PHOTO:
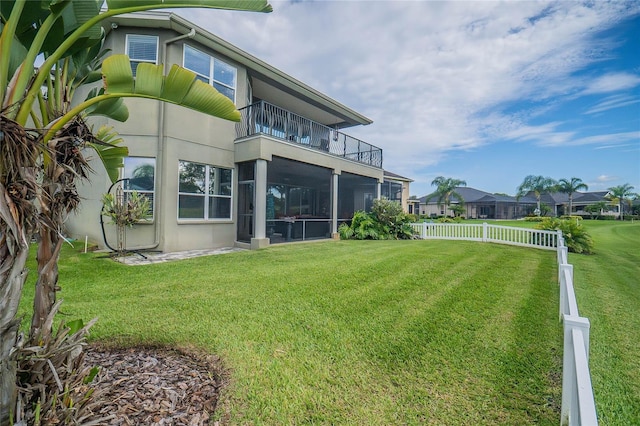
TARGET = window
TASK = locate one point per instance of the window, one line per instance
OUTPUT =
(142, 48)
(212, 71)
(392, 191)
(204, 191)
(140, 172)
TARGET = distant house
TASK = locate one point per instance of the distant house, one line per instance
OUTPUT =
(479, 205)
(285, 172)
(559, 203)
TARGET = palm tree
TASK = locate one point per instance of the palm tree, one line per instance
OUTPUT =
(446, 188)
(570, 187)
(536, 184)
(38, 168)
(620, 193)
(597, 208)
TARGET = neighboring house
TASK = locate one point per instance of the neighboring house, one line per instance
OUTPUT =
(285, 172)
(479, 205)
(559, 202)
(556, 202)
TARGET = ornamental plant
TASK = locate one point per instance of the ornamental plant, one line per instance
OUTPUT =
(575, 236)
(128, 212)
(386, 221)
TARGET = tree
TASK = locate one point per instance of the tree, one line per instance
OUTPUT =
(621, 193)
(536, 184)
(446, 188)
(596, 208)
(39, 168)
(458, 210)
(570, 187)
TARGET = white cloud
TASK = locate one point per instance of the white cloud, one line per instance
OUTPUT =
(612, 82)
(438, 76)
(606, 178)
(612, 102)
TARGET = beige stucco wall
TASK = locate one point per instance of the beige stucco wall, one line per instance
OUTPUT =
(190, 136)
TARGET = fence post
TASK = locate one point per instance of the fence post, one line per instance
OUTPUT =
(485, 227)
(564, 309)
(424, 230)
(569, 375)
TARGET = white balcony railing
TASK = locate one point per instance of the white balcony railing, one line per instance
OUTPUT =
(268, 119)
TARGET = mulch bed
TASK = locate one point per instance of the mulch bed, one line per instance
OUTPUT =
(154, 386)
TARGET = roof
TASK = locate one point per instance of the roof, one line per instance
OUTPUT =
(472, 195)
(585, 197)
(558, 198)
(260, 70)
(390, 175)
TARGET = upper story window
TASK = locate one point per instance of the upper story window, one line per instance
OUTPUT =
(212, 70)
(204, 191)
(142, 48)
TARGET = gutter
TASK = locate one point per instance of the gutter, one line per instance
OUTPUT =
(160, 180)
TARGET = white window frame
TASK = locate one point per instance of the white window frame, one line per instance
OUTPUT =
(210, 78)
(207, 195)
(138, 60)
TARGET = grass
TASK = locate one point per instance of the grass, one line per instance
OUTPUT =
(349, 332)
(409, 332)
(607, 287)
(608, 292)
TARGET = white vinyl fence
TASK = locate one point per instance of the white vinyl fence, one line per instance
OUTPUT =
(578, 404)
(484, 232)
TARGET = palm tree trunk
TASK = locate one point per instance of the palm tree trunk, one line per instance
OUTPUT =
(570, 204)
(46, 285)
(14, 251)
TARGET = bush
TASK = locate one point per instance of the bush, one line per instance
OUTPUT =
(412, 218)
(575, 237)
(362, 227)
(445, 219)
(535, 218)
(567, 217)
(386, 221)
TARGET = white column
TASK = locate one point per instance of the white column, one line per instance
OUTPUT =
(260, 206)
(334, 205)
(379, 190)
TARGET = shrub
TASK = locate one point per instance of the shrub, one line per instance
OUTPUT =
(535, 219)
(575, 237)
(386, 221)
(362, 227)
(568, 217)
(445, 219)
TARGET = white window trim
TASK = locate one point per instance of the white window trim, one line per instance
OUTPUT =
(206, 195)
(142, 60)
(210, 77)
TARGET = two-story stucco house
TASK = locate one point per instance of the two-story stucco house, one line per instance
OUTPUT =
(286, 172)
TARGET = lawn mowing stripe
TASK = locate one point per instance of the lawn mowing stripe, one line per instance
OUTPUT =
(306, 350)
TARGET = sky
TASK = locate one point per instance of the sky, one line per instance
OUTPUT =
(483, 91)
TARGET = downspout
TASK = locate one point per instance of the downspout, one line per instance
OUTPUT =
(161, 146)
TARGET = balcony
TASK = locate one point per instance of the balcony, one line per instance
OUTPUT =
(263, 118)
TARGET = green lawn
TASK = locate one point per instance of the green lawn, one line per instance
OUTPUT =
(389, 332)
(608, 292)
